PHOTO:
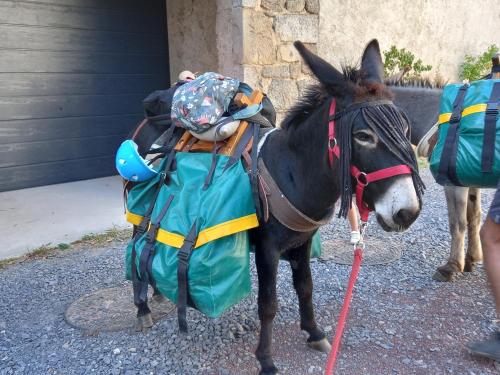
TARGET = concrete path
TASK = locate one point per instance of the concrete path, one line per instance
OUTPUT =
(62, 213)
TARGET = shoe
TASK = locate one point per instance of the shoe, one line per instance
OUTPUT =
(489, 348)
(355, 237)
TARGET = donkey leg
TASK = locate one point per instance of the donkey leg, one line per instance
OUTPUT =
(144, 319)
(474, 249)
(267, 260)
(302, 282)
(456, 199)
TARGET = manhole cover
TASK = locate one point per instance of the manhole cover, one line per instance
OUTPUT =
(376, 252)
(111, 309)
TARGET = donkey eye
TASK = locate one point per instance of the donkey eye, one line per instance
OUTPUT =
(364, 137)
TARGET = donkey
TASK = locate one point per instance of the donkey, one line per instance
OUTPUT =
(463, 203)
(312, 169)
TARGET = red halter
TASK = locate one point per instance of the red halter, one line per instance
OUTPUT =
(362, 178)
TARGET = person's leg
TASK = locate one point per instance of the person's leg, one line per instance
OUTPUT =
(490, 241)
(352, 216)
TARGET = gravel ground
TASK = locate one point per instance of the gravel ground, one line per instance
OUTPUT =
(401, 321)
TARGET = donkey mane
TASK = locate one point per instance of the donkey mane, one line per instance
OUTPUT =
(313, 97)
(417, 82)
(352, 72)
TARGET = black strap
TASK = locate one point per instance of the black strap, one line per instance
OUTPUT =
(138, 233)
(490, 125)
(147, 253)
(245, 138)
(182, 277)
(166, 143)
(211, 171)
(169, 166)
(254, 172)
(261, 120)
(447, 165)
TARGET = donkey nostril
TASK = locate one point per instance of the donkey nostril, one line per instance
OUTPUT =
(404, 216)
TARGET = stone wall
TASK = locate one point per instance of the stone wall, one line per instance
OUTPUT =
(205, 35)
(269, 60)
(252, 39)
(192, 36)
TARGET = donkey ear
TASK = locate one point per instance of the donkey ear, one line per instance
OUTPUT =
(371, 63)
(330, 77)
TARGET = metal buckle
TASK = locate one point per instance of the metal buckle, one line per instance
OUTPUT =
(153, 230)
(362, 229)
(365, 182)
(332, 143)
(455, 118)
(183, 257)
(142, 227)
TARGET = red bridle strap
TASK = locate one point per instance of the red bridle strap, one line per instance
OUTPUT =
(333, 147)
(362, 179)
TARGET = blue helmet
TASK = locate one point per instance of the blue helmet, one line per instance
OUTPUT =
(131, 165)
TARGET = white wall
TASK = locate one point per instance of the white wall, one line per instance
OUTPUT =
(440, 32)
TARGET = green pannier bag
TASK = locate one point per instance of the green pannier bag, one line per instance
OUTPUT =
(467, 152)
(222, 212)
(218, 274)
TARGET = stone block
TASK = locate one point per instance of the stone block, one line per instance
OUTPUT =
(295, 5)
(283, 93)
(274, 5)
(288, 53)
(312, 6)
(252, 75)
(303, 27)
(276, 71)
(259, 46)
(295, 70)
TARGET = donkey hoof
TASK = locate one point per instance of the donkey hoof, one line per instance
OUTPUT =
(272, 370)
(322, 345)
(144, 322)
(470, 266)
(442, 276)
(446, 272)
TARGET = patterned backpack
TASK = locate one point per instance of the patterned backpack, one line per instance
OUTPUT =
(199, 104)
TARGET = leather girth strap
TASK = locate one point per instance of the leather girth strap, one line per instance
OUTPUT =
(284, 211)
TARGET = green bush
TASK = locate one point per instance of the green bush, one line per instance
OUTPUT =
(475, 67)
(402, 61)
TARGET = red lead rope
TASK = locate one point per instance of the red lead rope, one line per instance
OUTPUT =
(332, 357)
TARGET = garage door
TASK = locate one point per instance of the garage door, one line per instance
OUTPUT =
(72, 77)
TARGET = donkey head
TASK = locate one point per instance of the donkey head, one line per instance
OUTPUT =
(372, 135)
